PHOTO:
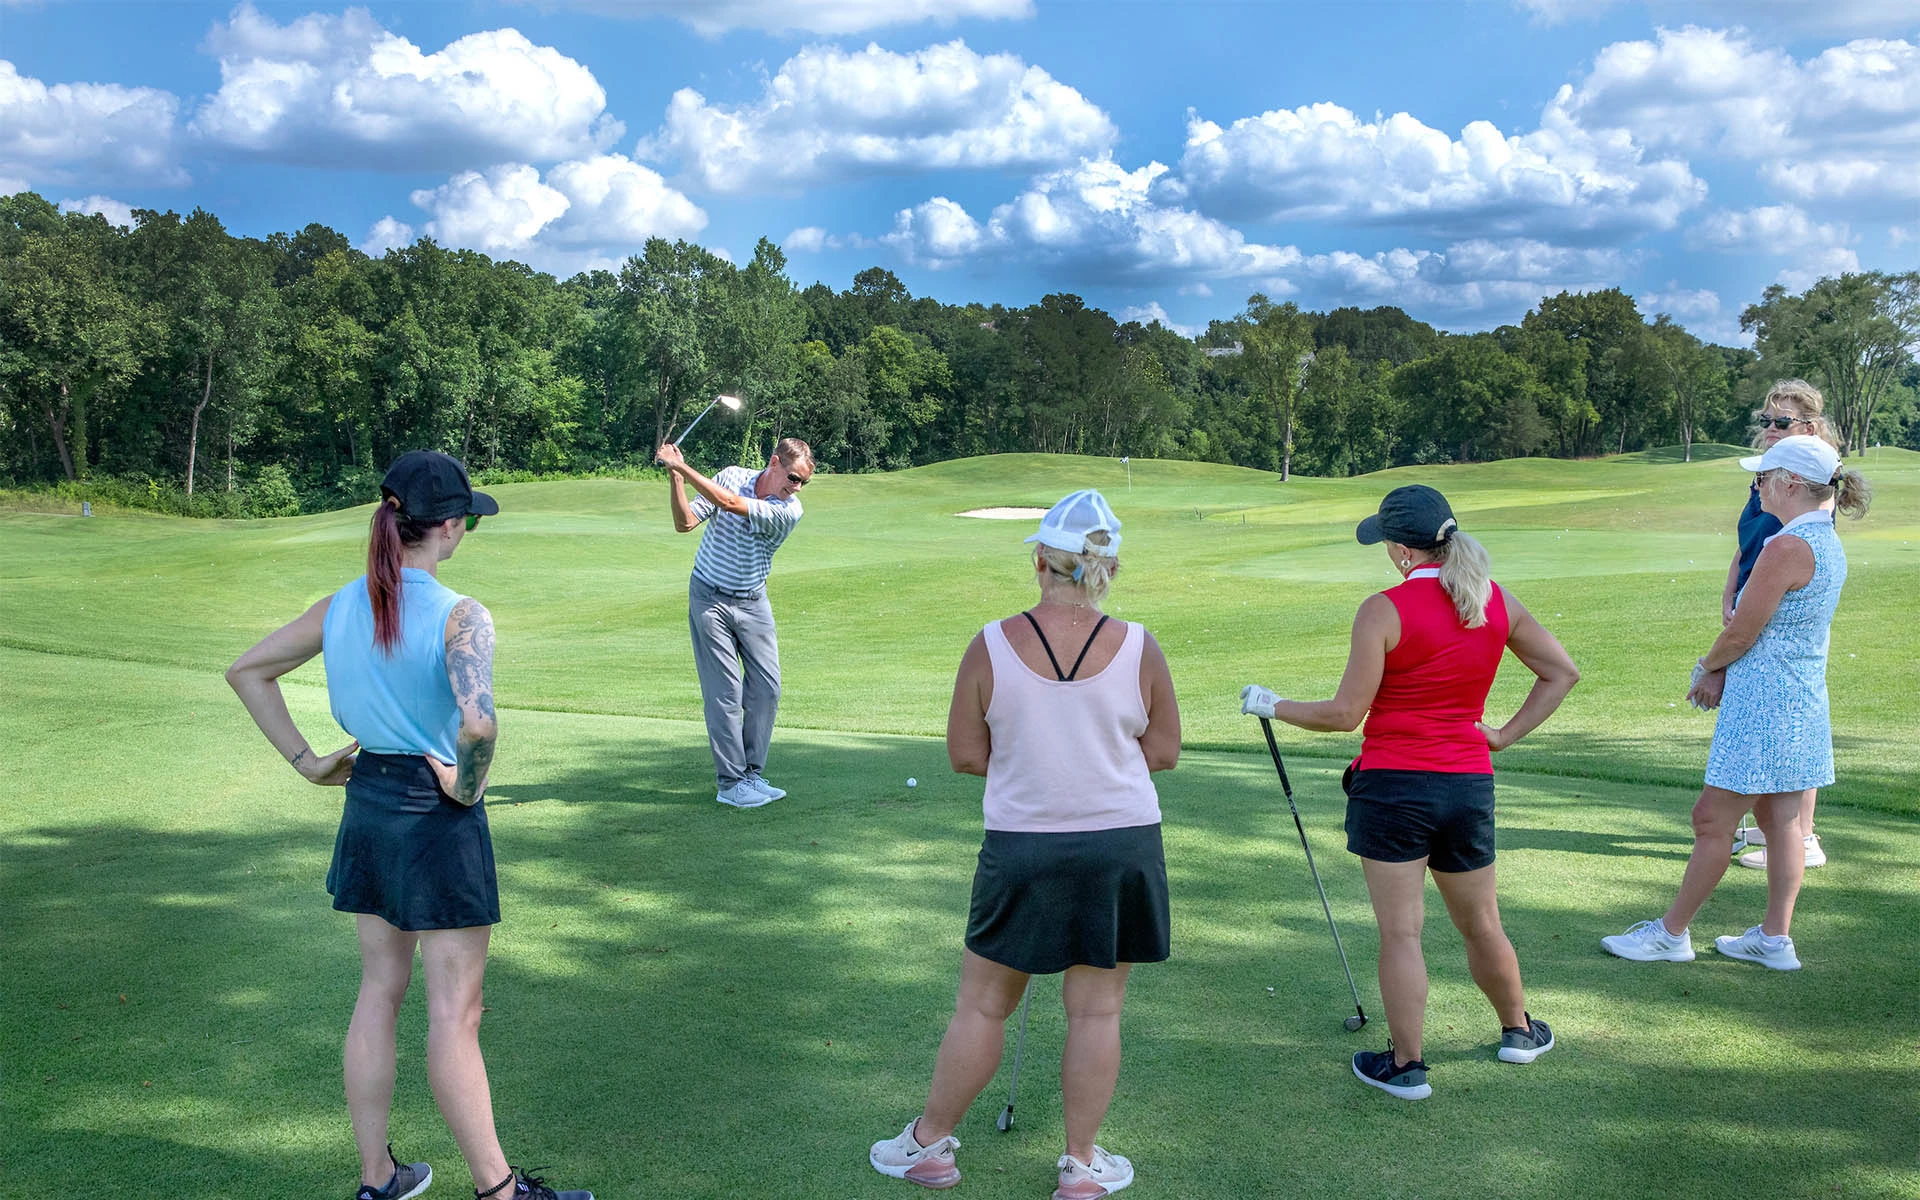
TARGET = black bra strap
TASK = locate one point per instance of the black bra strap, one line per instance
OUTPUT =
(1087, 647)
(1045, 645)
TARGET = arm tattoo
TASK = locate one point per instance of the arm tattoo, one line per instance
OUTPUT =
(297, 759)
(470, 659)
(470, 671)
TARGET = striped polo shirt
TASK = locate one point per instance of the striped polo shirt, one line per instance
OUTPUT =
(736, 553)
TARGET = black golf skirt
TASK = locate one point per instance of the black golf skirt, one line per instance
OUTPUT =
(409, 855)
(1043, 902)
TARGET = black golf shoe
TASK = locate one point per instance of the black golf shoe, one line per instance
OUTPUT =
(409, 1180)
(1405, 1080)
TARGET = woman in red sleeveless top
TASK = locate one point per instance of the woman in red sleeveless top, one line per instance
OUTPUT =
(1420, 796)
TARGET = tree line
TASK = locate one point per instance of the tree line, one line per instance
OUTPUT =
(192, 369)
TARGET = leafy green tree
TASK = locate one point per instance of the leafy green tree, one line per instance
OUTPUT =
(71, 331)
(1852, 335)
(1695, 376)
(1278, 345)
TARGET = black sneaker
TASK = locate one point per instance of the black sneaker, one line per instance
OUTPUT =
(1407, 1080)
(409, 1180)
(1525, 1045)
(532, 1187)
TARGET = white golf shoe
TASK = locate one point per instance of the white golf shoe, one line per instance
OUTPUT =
(759, 784)
(903, 1157)
(1105, 1175)
(743, 795)
(1649, 941)
(1755, 946)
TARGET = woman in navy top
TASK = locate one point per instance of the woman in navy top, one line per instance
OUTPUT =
(1792, 407)
(410, 676)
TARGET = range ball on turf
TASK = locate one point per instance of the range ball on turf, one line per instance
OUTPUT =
(913, 783)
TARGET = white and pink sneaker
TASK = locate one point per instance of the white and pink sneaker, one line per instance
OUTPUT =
(1105, 1175)
(905, 1158)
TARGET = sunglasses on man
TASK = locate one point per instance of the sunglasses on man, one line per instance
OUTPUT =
(795, 480)
(473, 519)
(1783, 422)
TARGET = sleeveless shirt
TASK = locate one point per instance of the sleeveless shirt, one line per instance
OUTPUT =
(1066, 754)
(1435, 684)
(400, 703)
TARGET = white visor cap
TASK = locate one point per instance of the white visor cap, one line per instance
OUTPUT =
(1067, 524)
(1812, 459)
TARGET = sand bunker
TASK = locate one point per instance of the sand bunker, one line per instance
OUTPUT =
(1005, 514)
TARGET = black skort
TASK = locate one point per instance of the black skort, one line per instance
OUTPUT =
(1043, 902)
(409, 855)
(1442, 816)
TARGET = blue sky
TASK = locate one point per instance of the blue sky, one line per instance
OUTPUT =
(1161, 159)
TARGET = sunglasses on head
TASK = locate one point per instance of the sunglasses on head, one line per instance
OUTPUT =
(1782, 422)
(473, 519)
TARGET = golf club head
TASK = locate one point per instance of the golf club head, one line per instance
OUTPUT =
(1005, 1121)
(1356, 1023)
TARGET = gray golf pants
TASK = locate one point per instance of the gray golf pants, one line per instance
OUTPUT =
(732, 632)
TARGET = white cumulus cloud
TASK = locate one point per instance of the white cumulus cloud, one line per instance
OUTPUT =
(388, 233)
(1769, 229)
(82, 133)
(1841, 128)
(1688, 304)
(1324, 162)
(713, 17)
(1834, 17)
(343, 91)
(1100, 221)
(115, 211)
(585, 213)
(829, 113)
(1151, 312)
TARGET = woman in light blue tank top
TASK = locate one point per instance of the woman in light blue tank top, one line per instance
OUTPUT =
(409, 666)
(1767, 674)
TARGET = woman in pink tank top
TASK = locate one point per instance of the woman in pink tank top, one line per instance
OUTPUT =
(1420, 796)
(1066, 713)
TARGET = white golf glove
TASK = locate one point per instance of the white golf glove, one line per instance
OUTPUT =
(1699, 672)
(1256, 701)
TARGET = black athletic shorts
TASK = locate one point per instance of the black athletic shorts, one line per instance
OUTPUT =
(1442, 816)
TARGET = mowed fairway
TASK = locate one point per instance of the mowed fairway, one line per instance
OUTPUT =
(689, 1001)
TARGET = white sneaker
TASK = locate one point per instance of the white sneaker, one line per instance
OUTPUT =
(1105, 1175)
(905, 1158)
(1755, 946)
(760, 785)
(743, 795)
(1649, 941)
(1816, 857)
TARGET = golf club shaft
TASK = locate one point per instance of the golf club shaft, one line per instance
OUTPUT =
(696, 421)
(1266, 726)
(1019, 1045)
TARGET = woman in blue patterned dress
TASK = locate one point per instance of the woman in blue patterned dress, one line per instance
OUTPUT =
(1767, 673)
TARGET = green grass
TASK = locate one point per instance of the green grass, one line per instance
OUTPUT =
(682, 994)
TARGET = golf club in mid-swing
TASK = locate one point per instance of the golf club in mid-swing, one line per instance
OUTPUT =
(733, 405)
(1359, 1017)
(1006, 1114)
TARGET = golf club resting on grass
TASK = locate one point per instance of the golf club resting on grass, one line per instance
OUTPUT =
(1066, 713)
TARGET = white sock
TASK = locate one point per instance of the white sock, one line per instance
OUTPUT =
(1670, 933)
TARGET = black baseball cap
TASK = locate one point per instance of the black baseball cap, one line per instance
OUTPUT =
(432, 486)
(1415, 516)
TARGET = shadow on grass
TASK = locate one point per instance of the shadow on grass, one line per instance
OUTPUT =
(675, 978)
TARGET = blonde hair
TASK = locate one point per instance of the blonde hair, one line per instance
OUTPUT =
(1466, 574)
(1803, 398)
(1854, 492)
(1089, 572)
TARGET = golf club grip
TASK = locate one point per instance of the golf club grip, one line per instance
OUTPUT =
(1266, 726)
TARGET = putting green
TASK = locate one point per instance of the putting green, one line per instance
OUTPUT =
(682, 994)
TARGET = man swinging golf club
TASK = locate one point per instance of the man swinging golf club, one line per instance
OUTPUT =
(748, 515)
(1420, 796)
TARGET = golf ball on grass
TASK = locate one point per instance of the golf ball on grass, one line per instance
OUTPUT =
(913, 782)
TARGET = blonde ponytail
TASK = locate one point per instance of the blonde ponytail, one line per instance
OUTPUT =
(1089, 572)
(1466, 573)
(1854, 491)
